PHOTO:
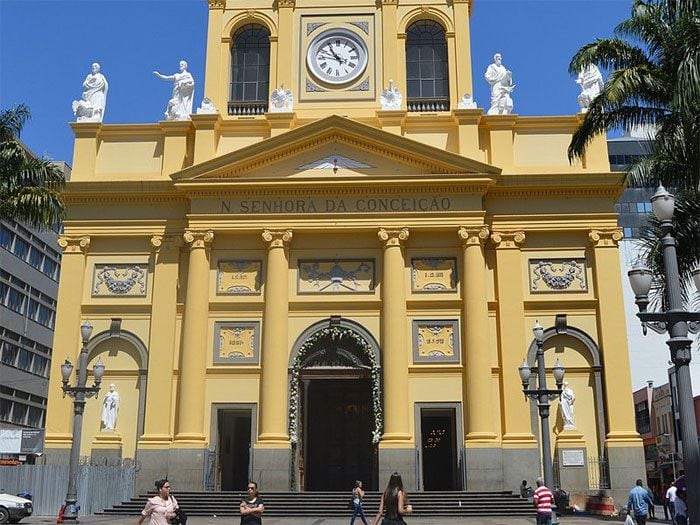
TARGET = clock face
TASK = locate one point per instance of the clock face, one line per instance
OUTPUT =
(337, 56)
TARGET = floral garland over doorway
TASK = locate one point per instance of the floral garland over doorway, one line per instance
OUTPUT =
(335, 333)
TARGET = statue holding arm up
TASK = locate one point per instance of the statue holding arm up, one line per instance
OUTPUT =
(180, 103)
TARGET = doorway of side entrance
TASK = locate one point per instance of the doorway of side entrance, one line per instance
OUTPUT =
(439, 449)
(235, 431)
(338, 446)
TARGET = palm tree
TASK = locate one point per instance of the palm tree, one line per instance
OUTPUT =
(654, 61)
(29, 187)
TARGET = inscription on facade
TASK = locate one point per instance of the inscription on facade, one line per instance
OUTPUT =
(236, 343)
(435, 341)
(239, 277)
(337, 204)
(434, 275)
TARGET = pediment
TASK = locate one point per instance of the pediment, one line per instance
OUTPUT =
(334, 147)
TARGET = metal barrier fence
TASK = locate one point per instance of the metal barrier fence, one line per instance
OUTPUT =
(598, 473)
(102, 483)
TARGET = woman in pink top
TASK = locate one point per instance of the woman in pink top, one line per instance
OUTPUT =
(161, 508)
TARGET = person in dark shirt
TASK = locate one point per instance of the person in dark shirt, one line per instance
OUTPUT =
(252, 506)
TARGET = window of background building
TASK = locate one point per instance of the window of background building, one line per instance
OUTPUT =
(641, 415)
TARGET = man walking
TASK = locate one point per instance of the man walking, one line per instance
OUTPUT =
(639, 502)
(543, 499)
(671, 500)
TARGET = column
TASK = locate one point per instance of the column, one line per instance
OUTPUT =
(394, 344)
(161, 345)
(520, 453)
(623, 445)
(462, 43)
(192, 369)
(390, 56)
(273, 391)
(478, 392)
(273, 449)
(285, 14)
(66, 342)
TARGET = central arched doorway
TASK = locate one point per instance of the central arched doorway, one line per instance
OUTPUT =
(335, 406)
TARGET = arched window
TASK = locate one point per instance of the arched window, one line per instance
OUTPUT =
(250, 71)
(427, 75)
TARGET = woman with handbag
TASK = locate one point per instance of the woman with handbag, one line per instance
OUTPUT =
(159, 509)
(357, 494)
(394, 503)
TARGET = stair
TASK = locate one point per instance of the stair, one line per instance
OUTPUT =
(334, 504)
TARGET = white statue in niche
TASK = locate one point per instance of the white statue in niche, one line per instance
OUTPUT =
(466, 102)
(501, 81)
(391, 97)
(566, 405)
(91, 106)
(206, 107)
(281, 100)
(591, 81)
(180, 103)
(110, 409)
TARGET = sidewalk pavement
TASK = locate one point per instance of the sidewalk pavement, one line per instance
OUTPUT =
(234, 520)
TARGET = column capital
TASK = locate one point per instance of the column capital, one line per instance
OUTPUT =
(286, 3)
(508, 240)
(217, 4)
(74, 244)
(165, 242)
(390, 2)
(473, 235)
(603, 238)
(277, 239)
(392, 237)
(198, 239)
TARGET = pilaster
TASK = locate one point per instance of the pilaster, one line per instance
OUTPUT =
(190, 409)
(478, 393)
(391, 120)
(501, 132)
(468, 131)
(85, 149)
(612, 337)
(462, 43)
(206, 136)
(512, 340)
(285, 18)
(161, 354)
(280, 122)
(175, 145)
(394, 345)
(452, 54)
(67, 341)
(390, 51)
(214, 88)
(273, 380)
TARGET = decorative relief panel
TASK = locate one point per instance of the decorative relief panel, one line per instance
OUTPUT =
(236, 343)
(124, 280)
(434, 275)
(435, 341)
(336, 276)
(558, 275)
(239, 277)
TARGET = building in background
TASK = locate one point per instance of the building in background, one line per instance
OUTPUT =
(29, 272)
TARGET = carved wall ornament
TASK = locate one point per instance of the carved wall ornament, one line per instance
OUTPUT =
(236, 343)
(336, 276)
(313, 26)
(471, 236)
(286, 3)
(277, 239)
(393, 237)
(217, 4)
(239, 277)
(601, 238)
(508, 240)
(364, 26)
(198, 239)
(391, 97)
(558, 275)
(126, 280)
(362, 86)
(436, 341)
(313, 88)
(165, 242)
(74, 244)
(281, 100)
(434, 274)
(334, 162)
(466, 102)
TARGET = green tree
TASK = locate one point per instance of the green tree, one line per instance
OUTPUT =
(654, 59)
(29, 187)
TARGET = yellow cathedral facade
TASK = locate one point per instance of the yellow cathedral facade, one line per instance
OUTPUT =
(304, 289)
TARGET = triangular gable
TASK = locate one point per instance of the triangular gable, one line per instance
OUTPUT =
(347, 134)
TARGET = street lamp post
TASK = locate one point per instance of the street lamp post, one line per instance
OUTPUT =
(79, 393)
(543, 395)
(677, 322)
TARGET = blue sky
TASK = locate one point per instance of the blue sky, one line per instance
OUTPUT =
(46, 48)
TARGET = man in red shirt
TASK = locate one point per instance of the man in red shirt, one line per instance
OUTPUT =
(543, 499)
